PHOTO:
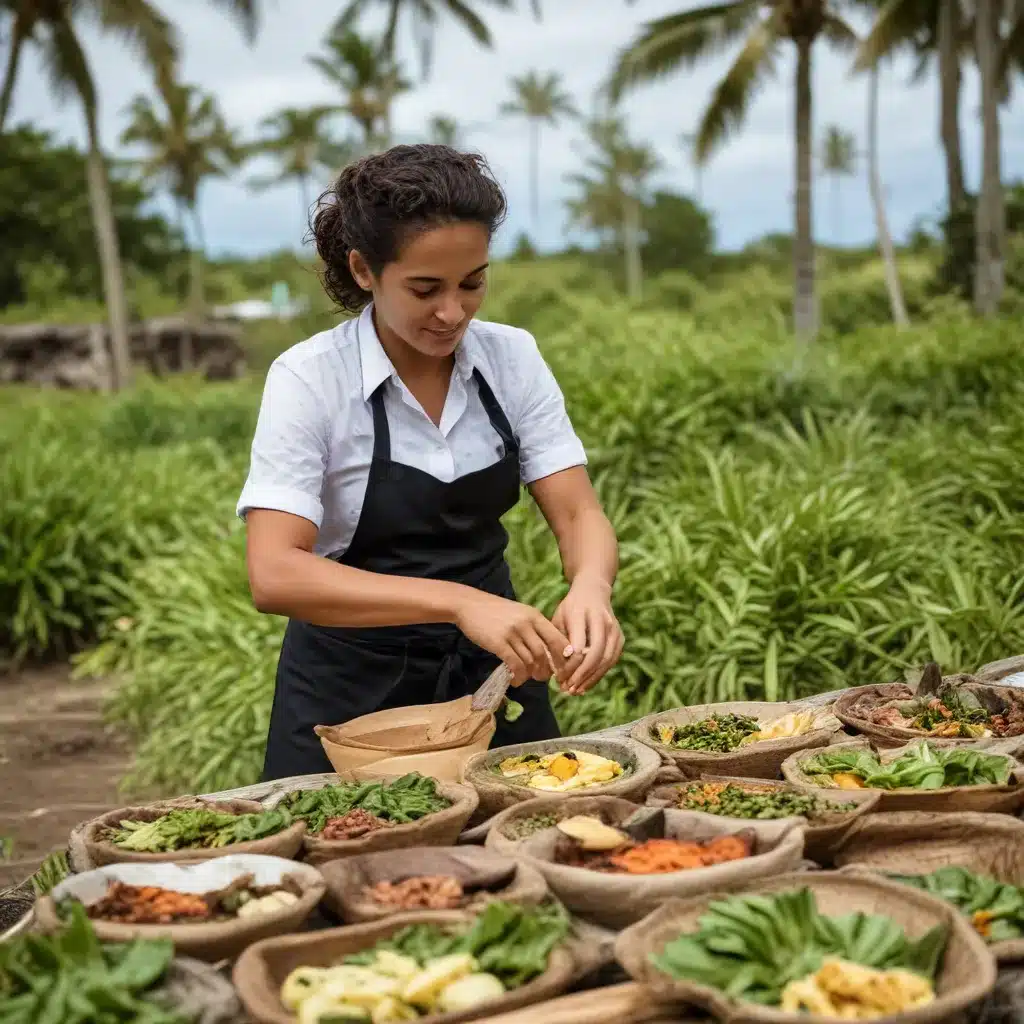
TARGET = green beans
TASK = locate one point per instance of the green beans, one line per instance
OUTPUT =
(407, 799)
(524, 827)
(733, 800)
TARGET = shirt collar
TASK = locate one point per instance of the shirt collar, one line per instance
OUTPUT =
(377, 367)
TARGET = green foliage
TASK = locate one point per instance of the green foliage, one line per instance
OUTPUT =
(49, 248)
(679, 234)
(786, 527)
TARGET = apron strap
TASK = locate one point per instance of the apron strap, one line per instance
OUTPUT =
(495, 413)
(381, 431)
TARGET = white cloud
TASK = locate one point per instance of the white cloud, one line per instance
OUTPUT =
(747, 184)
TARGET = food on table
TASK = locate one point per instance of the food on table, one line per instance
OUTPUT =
(922, 766)
(426, 969)
(852, 992)
(353, 824)
(189, 828)
(523, 828)
(717, 733)
(153, 904)
(780, 950)
(404, 800)
(591, 833)
(421, 892)
(738, 800)
(723, 733)
(71, 976)
(560, 771)
(996, 909)
(586, 842)
(952, 711)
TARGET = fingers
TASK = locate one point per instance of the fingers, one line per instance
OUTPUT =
(607, 654)
(575, 626)
(556, 643)
(596, 633)
(540, 663)
(517, 661)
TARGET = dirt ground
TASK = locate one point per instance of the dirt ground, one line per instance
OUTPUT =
(59, 763)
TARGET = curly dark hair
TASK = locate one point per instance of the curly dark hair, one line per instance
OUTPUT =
(379, 202)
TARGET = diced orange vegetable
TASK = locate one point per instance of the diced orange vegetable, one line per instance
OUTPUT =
(844, 780)
(563, 767)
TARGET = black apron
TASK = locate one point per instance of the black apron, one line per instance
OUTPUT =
(411, 524)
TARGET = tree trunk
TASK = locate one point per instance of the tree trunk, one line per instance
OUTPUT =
(990, 214)
(837, 209)
(949, 102)
(535, 170)
(885, 247)
(631, 244)
(109, 255)
(805, 308)
(196, 298)
(11, 70)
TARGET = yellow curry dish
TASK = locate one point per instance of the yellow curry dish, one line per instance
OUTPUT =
(560, 771)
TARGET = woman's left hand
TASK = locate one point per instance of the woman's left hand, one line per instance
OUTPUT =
(585, 616)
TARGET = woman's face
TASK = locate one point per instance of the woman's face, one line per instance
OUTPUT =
(427, 296)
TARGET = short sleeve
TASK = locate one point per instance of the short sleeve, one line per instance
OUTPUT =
(289, 449)
(547, 441)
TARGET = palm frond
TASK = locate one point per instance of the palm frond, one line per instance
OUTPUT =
(754, 65)
(839, 33)
(245, 12)
(66, 66)
(900, 24)
(143, 29)
(680, 41)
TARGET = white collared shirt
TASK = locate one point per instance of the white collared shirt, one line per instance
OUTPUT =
(314, 437)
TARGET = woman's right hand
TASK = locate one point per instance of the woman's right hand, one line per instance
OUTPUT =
(529, 645)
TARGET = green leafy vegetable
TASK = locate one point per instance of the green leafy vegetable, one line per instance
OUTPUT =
(196, 827)
(996, 909)
(70, 978)
(509, 941)
(718, 733)
(751, 947)
(408, 798)
(923, 766)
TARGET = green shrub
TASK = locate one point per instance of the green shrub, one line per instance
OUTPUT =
(784, 529)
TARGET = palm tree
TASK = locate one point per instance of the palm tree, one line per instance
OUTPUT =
(53, 29)
(838, 160)
(52, 26)
(688, 37)
(444, 131)
(688, 141)
(298, 141)
(368, 80)
(885, 246)
(613, 187)
(926, 28)
(990, 214)
(186, 141)
(540, 99)
(424, 16)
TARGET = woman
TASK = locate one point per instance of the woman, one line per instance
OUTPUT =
(387, 451)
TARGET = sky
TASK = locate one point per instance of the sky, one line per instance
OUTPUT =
(747, 185)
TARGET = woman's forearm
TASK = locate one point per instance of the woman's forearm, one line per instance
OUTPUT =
(308, 587)
(589, 548)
